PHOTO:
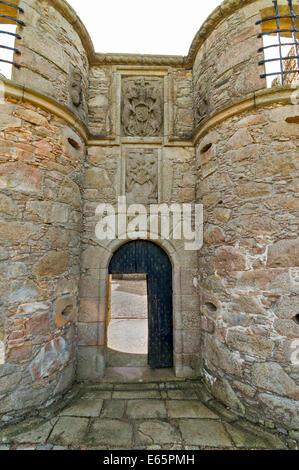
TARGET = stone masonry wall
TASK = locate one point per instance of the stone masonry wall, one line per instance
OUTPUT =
(102, 97)
(40, 223)
(249, 264)
(53, 59)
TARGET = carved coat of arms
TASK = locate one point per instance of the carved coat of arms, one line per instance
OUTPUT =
(142, 107)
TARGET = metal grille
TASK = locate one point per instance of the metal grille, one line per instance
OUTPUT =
(280, 31)
(17, 36)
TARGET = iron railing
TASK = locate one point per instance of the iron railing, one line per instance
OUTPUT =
(279, 31)
(17, 36)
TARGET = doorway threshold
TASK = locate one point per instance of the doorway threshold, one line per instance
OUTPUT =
(140, 374)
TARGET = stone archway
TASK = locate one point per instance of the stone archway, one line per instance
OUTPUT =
(144, 257)
(94, 308)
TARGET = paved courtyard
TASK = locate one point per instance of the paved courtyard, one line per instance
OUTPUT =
(177, 415)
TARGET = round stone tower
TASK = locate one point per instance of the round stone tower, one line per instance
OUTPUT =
(246, 140)
(42, 151)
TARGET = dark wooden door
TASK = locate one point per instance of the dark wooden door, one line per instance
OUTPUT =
(142, 257)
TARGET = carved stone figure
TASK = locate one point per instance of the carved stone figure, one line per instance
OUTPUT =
(142, 107)
(201, 104)
(142, 176)
(76, 86)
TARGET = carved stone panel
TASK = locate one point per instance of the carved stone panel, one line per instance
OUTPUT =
(142, 107)
(75, 86)
(142, 176)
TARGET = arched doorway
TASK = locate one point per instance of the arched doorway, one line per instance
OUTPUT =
(144, 257)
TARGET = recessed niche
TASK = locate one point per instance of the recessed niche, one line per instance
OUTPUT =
(206, 148)
(67, 312)
(211, 307)
(292, 120)
(73, 143)
(296, 319)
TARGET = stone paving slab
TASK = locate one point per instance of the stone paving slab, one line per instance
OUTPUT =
(188, 409)
(84, 407)
(137, 409)
(110, 432)
(157, 432)
(38, 435)
(139, 417)
(204, 433)
(188, 394)
(136, 387)
(258, 439)
(69, 431)
(113, 409)
(136, 394)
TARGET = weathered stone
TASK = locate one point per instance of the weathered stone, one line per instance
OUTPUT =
(18, 231)
(33, 117)
(51, 357)
(271, 377)
(49, 212)
(284, 253)
(70, 193)
(229, 259)
(8, 206)
(213, 235)
(219, 354)
(254, 345)
(97, 178)
(157, 432)
(64, 311)
(108, 432)
(39, 324)
(241, 138)
(287, 306)
(283, 410)
(69, 431)
(38, 435)
(188, 409)
(113, 409)
(222, 214)
(20, 177)
(138, 409)
(134, 394)
(52, 264)
(204, 433)
(91, 363)
(86, 406)
(222, 390)
(247, 438)
(181, 394)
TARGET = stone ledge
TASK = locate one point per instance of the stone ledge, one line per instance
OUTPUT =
(263, 97)
(25, 94)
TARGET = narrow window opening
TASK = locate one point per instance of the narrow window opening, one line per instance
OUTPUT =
(296, 319)
(127, 330)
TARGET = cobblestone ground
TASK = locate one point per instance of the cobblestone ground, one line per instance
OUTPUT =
(176, 415)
